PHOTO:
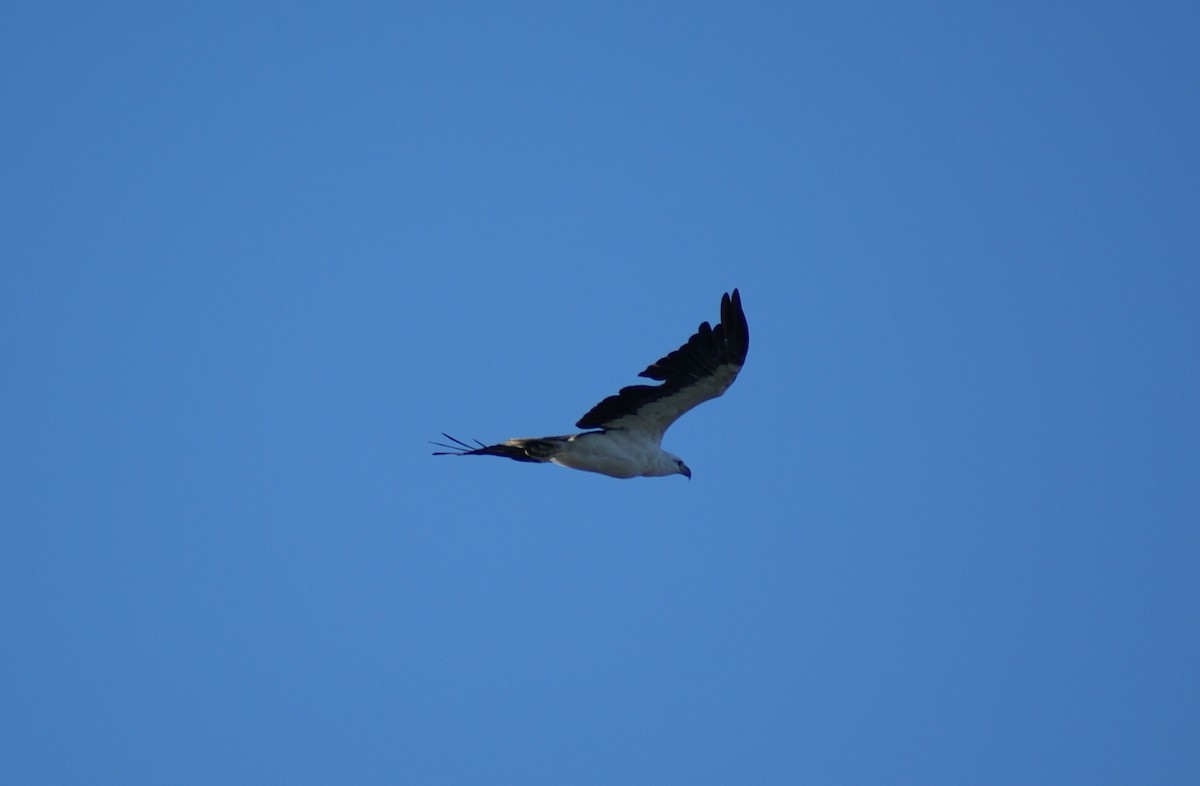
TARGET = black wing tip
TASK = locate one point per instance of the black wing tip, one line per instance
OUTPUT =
(518, 452)
(459, 448)
(733, 319)
(728, 342)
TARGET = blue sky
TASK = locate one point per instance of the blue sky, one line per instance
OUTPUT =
(942, 530)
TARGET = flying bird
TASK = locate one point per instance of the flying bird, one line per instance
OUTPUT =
(628, 427)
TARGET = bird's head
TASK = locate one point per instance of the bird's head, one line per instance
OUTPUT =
(665, 464)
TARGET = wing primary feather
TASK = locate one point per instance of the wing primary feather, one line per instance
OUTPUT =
(530, 450)
(459, 447)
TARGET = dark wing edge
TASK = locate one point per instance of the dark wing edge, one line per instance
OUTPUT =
(709, 352)
(535, 450)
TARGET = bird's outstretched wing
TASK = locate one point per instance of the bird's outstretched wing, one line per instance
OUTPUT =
(699, 370)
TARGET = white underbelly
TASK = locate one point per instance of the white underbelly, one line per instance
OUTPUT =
(606, 454)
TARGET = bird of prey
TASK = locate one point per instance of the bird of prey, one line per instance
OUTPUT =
(628, 427)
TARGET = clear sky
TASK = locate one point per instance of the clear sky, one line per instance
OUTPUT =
(943, 529)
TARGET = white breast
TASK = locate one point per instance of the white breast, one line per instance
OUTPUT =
(617, 453)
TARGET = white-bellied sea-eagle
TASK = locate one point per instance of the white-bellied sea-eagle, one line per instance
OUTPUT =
(629, 426)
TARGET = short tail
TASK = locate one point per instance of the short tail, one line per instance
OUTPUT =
(535, 450)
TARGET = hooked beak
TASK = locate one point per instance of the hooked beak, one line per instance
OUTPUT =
(687, 473)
